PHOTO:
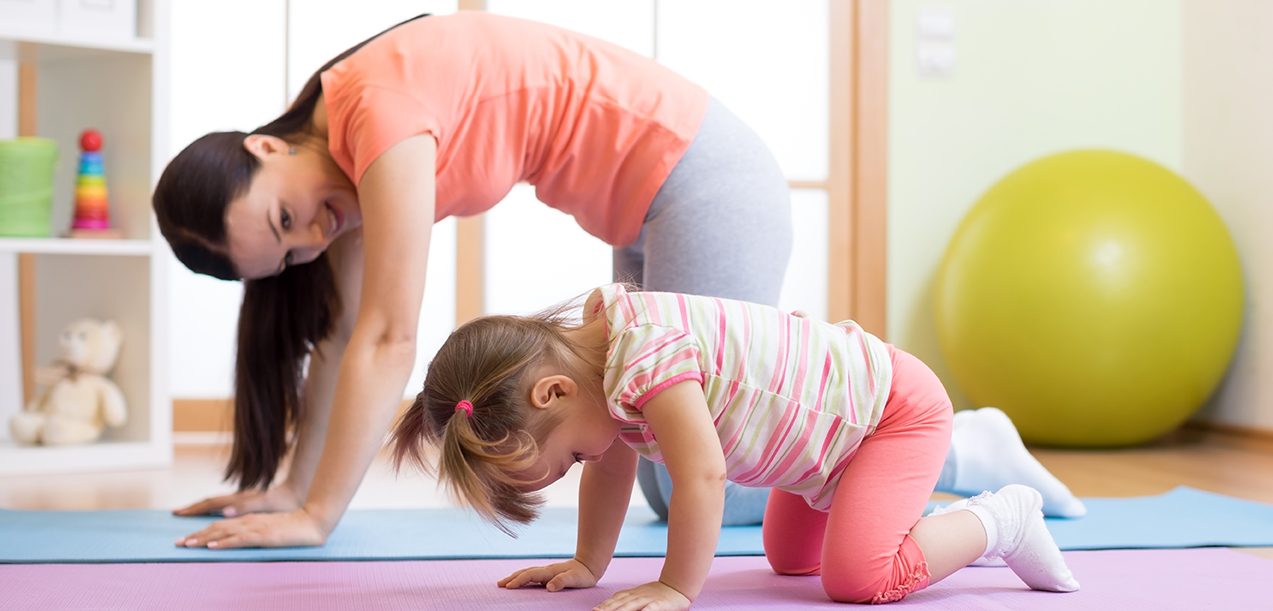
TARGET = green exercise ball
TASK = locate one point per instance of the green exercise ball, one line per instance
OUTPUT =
(1093, 296)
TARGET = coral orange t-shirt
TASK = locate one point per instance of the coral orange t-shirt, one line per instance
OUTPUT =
(594, 127)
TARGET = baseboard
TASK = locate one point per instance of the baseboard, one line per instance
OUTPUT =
(1244, 436)
(202, 415)
(214, 415)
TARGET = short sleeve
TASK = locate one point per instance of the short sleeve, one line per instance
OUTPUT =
(643, 361)
(374, 120)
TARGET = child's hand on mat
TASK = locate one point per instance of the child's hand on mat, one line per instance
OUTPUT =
(653, 596)
(278, 498)
(292, 529)
(554, 577)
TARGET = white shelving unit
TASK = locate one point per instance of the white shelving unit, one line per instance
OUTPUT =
(119, 87)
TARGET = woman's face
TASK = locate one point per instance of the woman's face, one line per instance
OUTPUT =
(298, 203)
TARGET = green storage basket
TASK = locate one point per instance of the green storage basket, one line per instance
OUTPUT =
(26, 186)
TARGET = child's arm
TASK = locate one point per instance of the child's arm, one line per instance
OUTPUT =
(681, 421)
(604, 493)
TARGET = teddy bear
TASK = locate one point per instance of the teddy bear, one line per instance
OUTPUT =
(78, 400)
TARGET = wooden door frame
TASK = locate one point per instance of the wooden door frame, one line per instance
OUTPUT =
(857, 180)
(27, 81)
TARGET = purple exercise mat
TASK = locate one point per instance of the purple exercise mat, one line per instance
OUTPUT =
(1207, 578)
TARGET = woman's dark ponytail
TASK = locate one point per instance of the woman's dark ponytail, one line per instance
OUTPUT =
(277, 331)
(284, 317)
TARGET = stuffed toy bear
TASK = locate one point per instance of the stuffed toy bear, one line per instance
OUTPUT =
(78, 399)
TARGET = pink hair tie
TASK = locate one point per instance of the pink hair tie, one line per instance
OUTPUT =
(466, 406)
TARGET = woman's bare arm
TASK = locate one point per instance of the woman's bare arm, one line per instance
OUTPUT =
(397, 198)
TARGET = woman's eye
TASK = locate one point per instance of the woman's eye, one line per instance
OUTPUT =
(284, 219)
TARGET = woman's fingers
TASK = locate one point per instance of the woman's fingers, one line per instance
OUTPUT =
(207, 506)
(243, 503)
(293, 529)
(201, 538)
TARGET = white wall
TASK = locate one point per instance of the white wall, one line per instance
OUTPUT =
(1030, 78)
(766, 60)
(227, 74)
(318, 30)
(1228, 154)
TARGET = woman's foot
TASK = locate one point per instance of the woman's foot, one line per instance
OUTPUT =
(989, 454)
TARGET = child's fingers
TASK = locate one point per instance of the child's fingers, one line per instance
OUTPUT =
(538, 574)
(622, 601)
(572, 574)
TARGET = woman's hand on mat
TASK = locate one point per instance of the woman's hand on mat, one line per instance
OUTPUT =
(278, 498)
(292, 529)
(653, 596)
(554, 577)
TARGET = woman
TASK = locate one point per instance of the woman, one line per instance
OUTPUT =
(325, 214)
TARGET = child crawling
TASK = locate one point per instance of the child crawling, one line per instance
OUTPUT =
(849, 431)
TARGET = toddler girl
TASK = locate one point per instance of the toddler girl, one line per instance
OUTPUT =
(849, 431)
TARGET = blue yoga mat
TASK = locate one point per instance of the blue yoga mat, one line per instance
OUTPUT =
(1184, 517)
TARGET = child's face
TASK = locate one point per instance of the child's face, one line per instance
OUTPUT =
(584, 434)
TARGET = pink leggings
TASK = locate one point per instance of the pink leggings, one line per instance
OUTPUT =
(862, 547)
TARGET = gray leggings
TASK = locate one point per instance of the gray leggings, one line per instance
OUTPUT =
(720, 226)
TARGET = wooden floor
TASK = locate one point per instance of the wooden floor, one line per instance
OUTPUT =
(1218, 462)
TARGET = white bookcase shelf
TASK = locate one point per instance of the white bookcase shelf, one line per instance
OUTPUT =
(119, 87)
(77, 46)
(68, 246)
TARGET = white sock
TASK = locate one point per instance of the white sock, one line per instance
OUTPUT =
(989, 454)
(963, 504)
(1015, 532)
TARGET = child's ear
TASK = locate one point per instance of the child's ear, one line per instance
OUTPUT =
(548, 391)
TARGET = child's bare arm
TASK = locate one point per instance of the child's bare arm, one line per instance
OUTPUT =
(680, 420)
(604, 493)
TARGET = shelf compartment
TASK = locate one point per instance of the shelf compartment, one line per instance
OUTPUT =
(16, 459)
(74, 246)
(60, 45)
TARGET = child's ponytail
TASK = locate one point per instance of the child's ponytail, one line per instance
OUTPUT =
(483, 472)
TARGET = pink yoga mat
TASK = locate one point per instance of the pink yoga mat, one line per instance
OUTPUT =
(1207, 578)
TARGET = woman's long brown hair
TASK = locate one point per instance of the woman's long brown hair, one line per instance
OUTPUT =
(283, 317)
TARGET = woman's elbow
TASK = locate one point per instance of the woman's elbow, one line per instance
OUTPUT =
(387, 347)
(399, 345)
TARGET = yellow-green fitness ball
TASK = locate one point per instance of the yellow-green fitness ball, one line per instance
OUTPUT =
(1093, 296)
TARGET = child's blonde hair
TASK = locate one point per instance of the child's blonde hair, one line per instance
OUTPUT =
(489, 363)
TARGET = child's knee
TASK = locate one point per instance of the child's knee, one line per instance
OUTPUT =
(868, 586)
(790, 564)
(845, 589)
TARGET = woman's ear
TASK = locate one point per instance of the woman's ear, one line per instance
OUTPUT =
(262, 145)
(549, 391)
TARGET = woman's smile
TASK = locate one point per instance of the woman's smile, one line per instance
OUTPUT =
(335, 220)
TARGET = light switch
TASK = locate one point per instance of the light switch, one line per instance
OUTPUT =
(935, 41)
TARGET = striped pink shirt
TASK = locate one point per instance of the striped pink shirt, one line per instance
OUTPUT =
(792, 398)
